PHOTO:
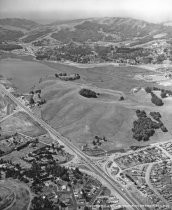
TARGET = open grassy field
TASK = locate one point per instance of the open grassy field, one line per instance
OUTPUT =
(107, 76)
(24, 74)
(21, 122)
(7, 106)
(80, 118)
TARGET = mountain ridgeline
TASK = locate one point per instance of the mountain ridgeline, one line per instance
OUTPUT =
(84, 30)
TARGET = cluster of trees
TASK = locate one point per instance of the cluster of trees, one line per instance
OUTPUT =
(72, 52)
(155, 99)
(64, 76)
(104, 53)
(10, 47)
(38, 175)
(88, 93)
(84, 53)
(98, 140)
(157, 116)
(145, 127)
(120, 54)
(41, 56)
(35, 173)
(40, 101)
(164, 92)
(61, 75)
(41, 203)
(137, 54)
(23, 146)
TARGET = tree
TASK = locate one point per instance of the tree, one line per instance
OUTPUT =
(148, 90)
(163, 94)
(88, 93)
(164, 129)
(31, 101)
(155, 100)
(94, 143)
(121, 98)
(38, 91)
(160, 58)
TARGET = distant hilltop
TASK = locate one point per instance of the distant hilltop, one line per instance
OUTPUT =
(115, 29)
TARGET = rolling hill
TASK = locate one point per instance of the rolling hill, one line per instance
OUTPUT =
(19, 23)
(11, 29)
(87, 30)
(9, 35)
(81, 119)
(109, 30)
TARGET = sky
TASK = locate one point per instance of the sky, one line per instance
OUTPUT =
(48, 10)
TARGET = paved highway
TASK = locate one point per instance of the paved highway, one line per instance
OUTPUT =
(128, 200)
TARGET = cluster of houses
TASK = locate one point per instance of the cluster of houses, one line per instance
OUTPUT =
(161, 179)
(167, 146)
(146, 155)
(136, 177)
